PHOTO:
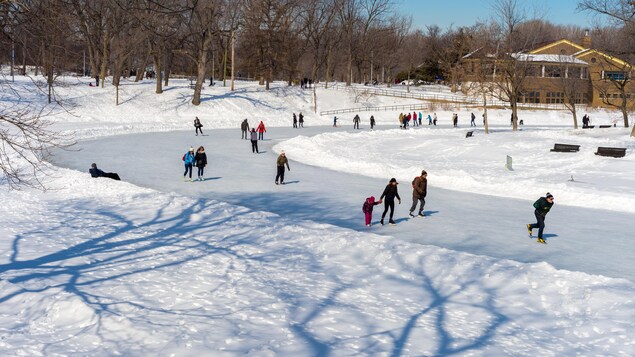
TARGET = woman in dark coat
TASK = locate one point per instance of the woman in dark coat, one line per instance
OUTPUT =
(200, 159)
(390, 192)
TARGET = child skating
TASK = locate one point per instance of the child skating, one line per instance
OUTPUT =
(367, 208)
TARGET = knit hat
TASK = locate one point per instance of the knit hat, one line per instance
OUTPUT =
(394, 180)
(191, 148)
(549, 195)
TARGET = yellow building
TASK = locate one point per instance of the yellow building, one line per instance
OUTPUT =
(557, 71)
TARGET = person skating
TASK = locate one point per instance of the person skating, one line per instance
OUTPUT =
(390, 192)
(401, 118)
(542, 207)
(95, 172)
(261, 130)
(367, 208)
(419, 192)
(429, 119)
(188, 161)
(420, 118)
(414, 119)
(244, 127)
(198, 126)
(434, 119)
(295, 121)
(200, 158)
(282, 160)
(372, 122)
(472, 117)
(254, 141)
(455, 120)
(356, 121)
(335, 122)
(301, 120)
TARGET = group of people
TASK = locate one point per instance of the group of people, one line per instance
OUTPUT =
(404, 119)
(586, 121)
(298, 121)
(196, 159)
(419, 192)
(254, 135)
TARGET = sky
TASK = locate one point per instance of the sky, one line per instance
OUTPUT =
(445, 13)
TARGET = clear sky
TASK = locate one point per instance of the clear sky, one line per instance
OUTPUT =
(467, 12)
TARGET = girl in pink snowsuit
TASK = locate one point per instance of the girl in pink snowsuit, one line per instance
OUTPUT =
(367, 208)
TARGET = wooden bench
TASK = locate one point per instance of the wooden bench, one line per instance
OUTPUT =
(565, 148)
(588, 127)
(605, 126)
(469, 134)
(613, 152)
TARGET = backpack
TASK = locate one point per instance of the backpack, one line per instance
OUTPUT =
(184, 157)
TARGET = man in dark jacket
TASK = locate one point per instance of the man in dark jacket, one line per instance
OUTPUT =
(356, 121)
(244, 127)
(282, 160)
(301, 120)
(419, 191)
(95, 172)
(295, 121)
(372, 122)
(390, 192)
(542, 207)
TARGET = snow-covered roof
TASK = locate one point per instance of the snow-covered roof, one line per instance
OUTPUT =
(548, 58)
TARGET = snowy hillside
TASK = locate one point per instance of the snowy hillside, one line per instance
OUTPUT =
(158, 266)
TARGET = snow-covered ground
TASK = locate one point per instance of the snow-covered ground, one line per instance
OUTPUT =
(104, 268)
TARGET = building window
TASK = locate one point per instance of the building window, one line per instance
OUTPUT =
(593, 60)
(584, 74)
(553, 71)
(615, 75)
(555, 97)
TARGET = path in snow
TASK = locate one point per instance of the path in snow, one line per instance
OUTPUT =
(588, 240)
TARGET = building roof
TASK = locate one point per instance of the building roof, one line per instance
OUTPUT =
(528, 57)
(563, 41)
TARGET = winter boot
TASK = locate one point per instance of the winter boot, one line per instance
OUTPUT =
(540, 240)
(529, 229)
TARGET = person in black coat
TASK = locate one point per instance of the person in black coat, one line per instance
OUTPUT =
(390, 192)
(300, 120)
(200, 160)
(372, 122)
(254, 141)
(95, 172)
(542, 207)
(198, 126)
(295, 121)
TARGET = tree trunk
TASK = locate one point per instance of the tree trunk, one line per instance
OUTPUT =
(200, 76)
(328, 68)
(168, 68)
(575, 116)
(485, 122)
(141, 70)
(625, 115)
(117, 94)
(514, 115)
(157, 70)
(104, 60)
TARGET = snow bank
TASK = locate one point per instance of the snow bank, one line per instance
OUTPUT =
(477, 164)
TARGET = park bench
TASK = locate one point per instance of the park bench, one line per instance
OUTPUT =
(588, 127)
(565, 148)
(613, 152)
(605, 126)
(469, 134)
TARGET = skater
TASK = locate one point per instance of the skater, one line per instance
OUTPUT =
(472, 117)
(419, 192)
(198, 126)
(420, 118)
(295, 121)
(261, 130)
(188, 161)
(390, 192)
(95, 172)
(429, 119)
(401, 118)
(414, 119)
(455, 120)
(434, 119)
(356, 121)
(542, 207)
(367, 208)
(201, 161)
(254, 141)
(372, 122)
(244, 127)
(335, 122)
(301, 120)
(282, 160)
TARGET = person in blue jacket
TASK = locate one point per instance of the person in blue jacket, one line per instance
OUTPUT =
(188, 161)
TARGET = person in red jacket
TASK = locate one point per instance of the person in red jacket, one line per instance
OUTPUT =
(261, 130)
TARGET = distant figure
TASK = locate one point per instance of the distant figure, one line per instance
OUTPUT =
(95, 172)
(261, 130)
(244, 128)
(511, 119)
(301, 120)
(282, 160)
(455, 120)
(542, 207)
(420, 118)
(429, 119)
(434, 119)
(586, 121)
(188, 162)
(521, 122)
(335, 122)
(356, 121)
(472, 117)
(367, 208)
(419, 192)
(390, 193)
(372, 122)
(198, 126)
(295, 121)
(211, 81)
(415, 122)
(200, 160)
(401, 118)
(97, 81)
(254, 141)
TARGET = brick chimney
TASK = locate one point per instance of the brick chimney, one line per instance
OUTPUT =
(586, 39)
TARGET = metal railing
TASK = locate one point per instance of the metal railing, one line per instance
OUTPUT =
(421, 106)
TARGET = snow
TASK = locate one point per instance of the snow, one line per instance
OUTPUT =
(238, 266)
